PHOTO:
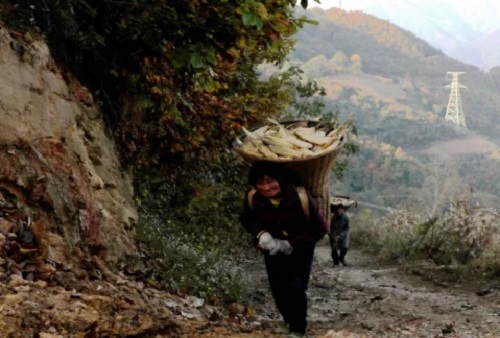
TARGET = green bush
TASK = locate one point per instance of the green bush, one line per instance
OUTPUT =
(489, 262)
(190, 232)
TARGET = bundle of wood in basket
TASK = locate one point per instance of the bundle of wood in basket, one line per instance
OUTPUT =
(292, 141)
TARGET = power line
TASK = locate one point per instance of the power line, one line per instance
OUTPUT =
(375, 206)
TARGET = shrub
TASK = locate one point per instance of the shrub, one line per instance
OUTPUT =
(189, 231)
(367, 230)
(463, 234)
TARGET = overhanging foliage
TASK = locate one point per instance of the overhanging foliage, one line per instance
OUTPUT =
(174, 77)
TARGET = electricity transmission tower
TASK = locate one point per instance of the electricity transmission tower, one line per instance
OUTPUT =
(454, 111)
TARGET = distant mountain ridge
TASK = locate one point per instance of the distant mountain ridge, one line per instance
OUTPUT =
(393, 86)
(460, 31)
(345, 40)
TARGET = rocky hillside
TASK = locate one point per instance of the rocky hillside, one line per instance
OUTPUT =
(66, 212)
(59, 168)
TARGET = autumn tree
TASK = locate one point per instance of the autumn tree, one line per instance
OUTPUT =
(175, 80)
(356, 64)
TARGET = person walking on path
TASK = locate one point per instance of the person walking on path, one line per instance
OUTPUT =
(285, 224)
(339, 235)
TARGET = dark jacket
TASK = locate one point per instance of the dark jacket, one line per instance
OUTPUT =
(287, 221)
(339, 225)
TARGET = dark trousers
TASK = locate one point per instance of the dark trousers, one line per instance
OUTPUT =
(336, 246)
(288, 278)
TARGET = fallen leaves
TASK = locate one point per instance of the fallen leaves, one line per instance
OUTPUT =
(19, 254)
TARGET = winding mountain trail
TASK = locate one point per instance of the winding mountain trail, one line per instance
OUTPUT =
(372, 300)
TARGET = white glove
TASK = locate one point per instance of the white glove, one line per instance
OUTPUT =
(284, 246)
(267, 242)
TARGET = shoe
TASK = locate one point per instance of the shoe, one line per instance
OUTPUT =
(295, 335)
(344, 263)
(335, 264)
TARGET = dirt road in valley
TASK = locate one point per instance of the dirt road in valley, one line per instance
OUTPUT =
(372, 300)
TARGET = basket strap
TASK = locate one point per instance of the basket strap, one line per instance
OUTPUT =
(304, 201)
(250, 196)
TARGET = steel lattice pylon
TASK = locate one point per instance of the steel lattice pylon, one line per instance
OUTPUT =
(454, 111)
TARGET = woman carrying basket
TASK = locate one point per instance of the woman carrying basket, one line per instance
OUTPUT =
(285, 223)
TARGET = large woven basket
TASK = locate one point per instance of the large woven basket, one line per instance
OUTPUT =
(313, 172)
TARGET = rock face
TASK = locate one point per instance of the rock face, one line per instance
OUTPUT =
(58, 166)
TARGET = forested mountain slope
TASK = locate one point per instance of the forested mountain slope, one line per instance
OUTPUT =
(385, 50)
(394, 85)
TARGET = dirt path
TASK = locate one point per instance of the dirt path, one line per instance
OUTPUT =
(387, 302)
(366, 300)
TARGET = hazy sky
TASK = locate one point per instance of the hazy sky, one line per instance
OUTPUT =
(480, 15)
(347, 4)
(325, 3)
